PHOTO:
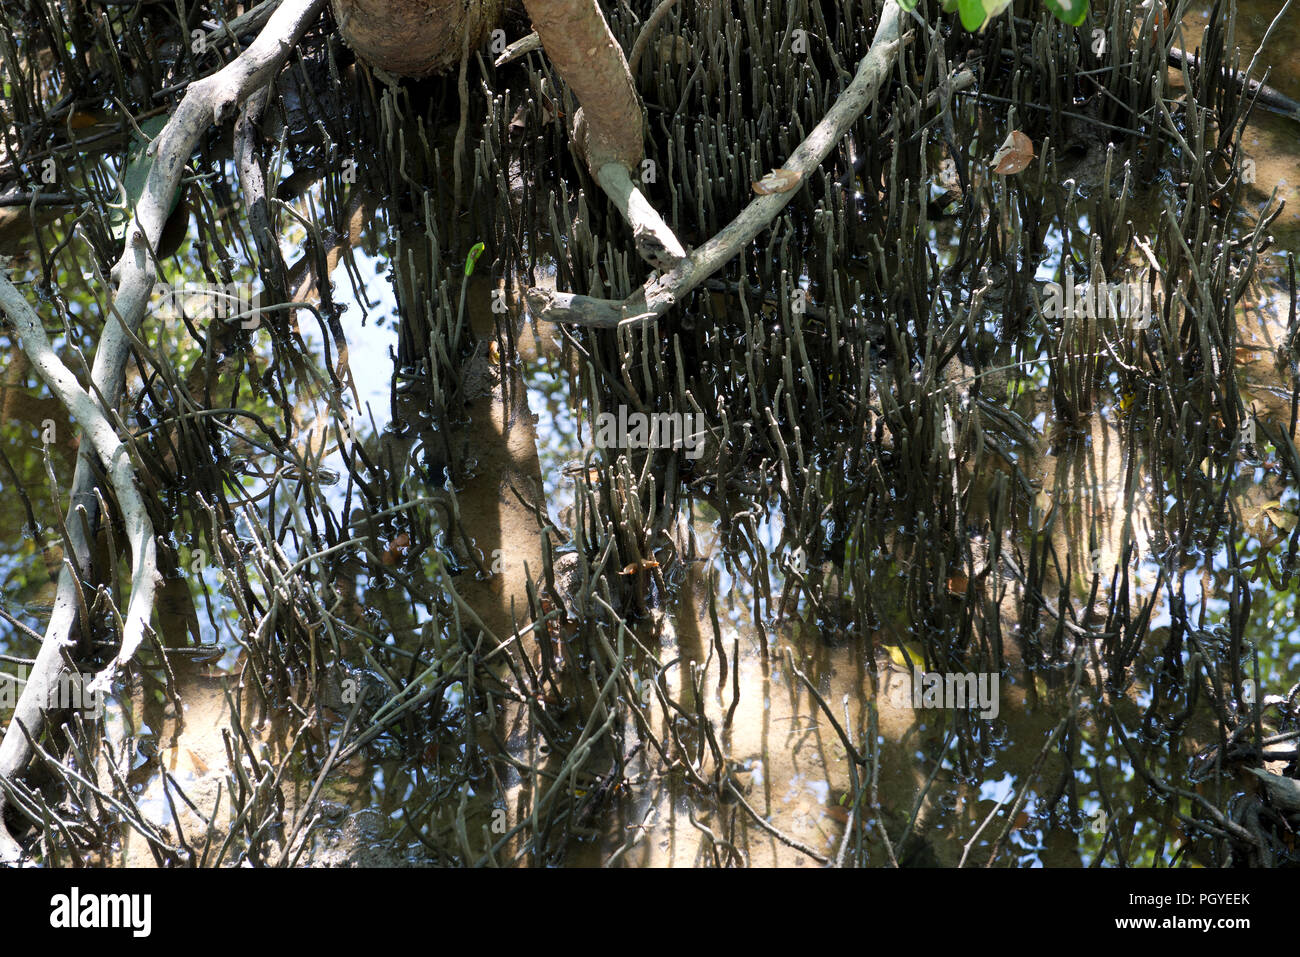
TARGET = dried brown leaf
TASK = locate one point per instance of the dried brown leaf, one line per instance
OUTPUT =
(777, 181)
(1014, 155)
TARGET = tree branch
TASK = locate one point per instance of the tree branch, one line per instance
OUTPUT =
(578, 42)
(209, 100)
(95, 426)
(608, 129)
(659, 295)
(657, 16)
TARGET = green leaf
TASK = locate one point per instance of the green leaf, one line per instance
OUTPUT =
(972, 13)
(975, 14)
(472, 258)
(914, 652)
(908, 4)
(1072, 12)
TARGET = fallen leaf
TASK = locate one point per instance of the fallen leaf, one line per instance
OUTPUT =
(1043, 501)
(1272, 511)
(1014, 155)
(632, 568)
(397, 549)
(914, 651)
(519, 121)
(777, 181)
(1282, 519)
(83, 119)
(838, 814)
(199, 764)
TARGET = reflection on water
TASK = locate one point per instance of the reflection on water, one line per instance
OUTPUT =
(767, 712)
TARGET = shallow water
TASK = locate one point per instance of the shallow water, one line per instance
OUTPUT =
(751, 676)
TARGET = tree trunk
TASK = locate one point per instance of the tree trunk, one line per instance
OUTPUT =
(415, 37)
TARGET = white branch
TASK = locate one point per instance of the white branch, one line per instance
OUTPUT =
(209, 100)
(655, 241)
(112, 452)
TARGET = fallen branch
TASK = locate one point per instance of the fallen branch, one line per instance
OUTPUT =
(209, 100)
(660, 294)
(521, 47)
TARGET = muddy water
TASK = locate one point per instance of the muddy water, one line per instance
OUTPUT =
(787, 756)
(780, 689)
(1270, 139)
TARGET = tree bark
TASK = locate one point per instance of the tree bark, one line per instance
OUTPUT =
(415, 38)
(580, 45)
